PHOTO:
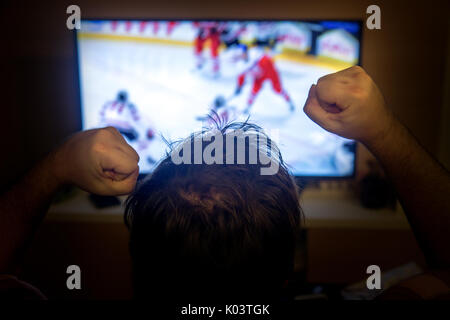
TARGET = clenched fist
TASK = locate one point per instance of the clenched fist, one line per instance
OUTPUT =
(99, 161)
(349, 104)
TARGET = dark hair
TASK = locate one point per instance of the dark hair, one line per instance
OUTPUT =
(199, 230)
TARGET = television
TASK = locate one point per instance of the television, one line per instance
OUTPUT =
(161, 80)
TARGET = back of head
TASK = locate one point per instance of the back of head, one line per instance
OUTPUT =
(220, 229)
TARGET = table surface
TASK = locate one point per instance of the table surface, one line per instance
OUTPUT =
(323, 208)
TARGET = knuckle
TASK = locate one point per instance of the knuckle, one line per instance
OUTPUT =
(320, 79)
(105, 134)
(321, 86)
(98, 146)
(359, 72)
(98, 150)
(357, 69)
(109, 131)
(360, 93)
(328, 77)
(324, 78)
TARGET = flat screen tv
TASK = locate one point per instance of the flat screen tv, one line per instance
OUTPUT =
(160, 80)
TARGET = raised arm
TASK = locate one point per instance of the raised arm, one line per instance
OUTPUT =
(99, 161)
(349, 104)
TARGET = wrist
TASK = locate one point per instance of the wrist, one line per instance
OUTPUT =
(54, 170)
(384, 135)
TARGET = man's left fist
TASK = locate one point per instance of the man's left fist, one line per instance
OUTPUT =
(99, 161)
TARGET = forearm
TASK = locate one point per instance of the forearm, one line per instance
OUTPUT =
(423, 187)
(22, 209)
(98, 161)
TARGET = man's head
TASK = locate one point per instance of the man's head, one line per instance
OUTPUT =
(211, 230)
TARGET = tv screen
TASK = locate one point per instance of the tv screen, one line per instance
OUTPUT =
(159, 81)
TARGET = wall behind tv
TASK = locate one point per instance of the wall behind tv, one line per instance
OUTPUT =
(39, 94)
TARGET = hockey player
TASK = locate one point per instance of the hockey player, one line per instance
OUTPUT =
(207, 30)
(220, 112)
(262, 70)
(123, 116)
(231, 34)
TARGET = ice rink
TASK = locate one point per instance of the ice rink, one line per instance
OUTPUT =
(170, 94)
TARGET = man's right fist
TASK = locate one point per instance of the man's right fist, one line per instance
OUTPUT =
(99, 161)
(348, 103)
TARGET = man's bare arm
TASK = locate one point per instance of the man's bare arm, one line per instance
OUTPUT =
(21, 209)
(98, 161)
(349, 104)
(423, 186)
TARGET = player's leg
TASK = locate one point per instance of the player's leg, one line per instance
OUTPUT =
(257, 84)
(215, 43)
(198, 49)
(276, 85)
